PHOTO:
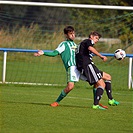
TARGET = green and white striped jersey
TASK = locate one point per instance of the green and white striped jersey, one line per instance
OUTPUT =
(67, 51)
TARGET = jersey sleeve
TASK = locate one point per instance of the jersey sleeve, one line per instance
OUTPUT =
(60, 48)
(89, 43)
(52, 54)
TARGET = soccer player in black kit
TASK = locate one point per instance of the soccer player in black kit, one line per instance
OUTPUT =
(96, 77)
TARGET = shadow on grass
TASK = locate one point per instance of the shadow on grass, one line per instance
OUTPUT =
(46, 104)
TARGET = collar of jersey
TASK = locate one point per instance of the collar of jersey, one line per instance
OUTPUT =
(92, 41)
(69, 40)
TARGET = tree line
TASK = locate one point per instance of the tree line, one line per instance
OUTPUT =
(51, 18)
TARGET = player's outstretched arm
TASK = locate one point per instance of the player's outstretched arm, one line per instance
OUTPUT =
(104, 58)
(52, 54)
(93, 50)
(39, 53)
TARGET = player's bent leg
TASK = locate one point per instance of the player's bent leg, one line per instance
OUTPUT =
(94, 95)
(106, 76)
(98, 94)
(69, 87)
(113, 102)
(63, 94)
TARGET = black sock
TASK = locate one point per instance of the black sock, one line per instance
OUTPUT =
(99, 93)
(108, 89)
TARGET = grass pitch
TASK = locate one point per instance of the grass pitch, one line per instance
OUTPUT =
(25, 109)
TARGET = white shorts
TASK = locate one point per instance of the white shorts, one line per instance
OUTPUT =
(73, 75)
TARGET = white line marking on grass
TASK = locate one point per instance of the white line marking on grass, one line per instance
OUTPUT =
(79, 98)
(123, 94)
(37, 93)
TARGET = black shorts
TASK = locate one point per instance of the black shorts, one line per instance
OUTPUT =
(92, 73)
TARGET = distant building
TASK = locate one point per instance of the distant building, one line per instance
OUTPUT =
(109, 41)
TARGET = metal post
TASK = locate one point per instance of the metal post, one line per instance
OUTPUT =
(4, 67)
(130, 73)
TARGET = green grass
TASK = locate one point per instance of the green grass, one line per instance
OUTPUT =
(25, 109)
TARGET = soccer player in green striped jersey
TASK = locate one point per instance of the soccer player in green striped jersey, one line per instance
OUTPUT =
(66, 50)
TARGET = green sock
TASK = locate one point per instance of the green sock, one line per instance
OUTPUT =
(61, 96)
(94, 92)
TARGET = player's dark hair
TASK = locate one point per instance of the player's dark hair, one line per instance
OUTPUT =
(68, 29)
(94, 33)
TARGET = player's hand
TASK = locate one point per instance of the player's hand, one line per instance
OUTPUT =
(39, 53)
(104, 58)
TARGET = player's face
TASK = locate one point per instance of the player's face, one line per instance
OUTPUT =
(71, 35)
(95, 39)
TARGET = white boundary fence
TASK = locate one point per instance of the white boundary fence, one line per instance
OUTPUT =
(130, 81)
(5, 50)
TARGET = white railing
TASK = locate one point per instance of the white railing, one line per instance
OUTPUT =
(5, 50)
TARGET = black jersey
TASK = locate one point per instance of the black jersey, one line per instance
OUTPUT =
(83, 55)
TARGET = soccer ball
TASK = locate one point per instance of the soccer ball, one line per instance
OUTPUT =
(119, 54)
